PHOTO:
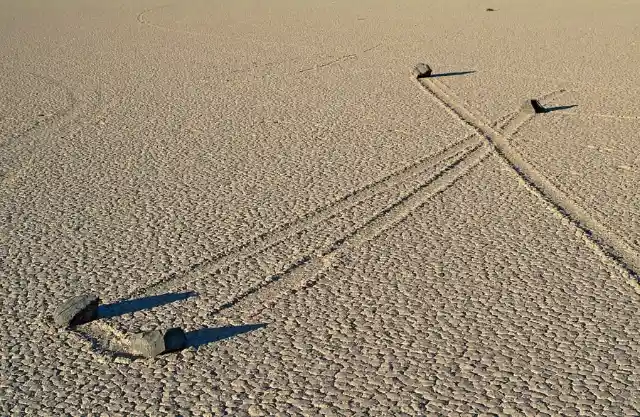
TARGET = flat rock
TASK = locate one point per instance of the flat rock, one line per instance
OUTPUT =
(421, 71)
(76, 310)
(157, 342)
(532, 107)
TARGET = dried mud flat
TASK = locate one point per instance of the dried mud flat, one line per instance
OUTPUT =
(335, 236)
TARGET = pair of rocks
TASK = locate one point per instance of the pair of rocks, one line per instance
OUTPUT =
(530, 106)
(84, 308)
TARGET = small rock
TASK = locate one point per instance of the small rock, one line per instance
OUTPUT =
(156, 342)
(532, 107)
(489, 9)
(421, 71)
(76, 310)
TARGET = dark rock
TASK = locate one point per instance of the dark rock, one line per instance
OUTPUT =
(421, 71)
(489, 9)
(76, 310)
(156, 342)
(532, 107)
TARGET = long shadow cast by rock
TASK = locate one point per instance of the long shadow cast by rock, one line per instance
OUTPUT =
(139, 304)
(208, 335)
(558, 108)
(451, 74)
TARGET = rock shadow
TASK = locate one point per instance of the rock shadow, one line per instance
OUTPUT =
(146, 303)
(451, 74)
(208, 335)
(558, 108)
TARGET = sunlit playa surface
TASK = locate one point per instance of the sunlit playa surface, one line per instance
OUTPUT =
(283, 213)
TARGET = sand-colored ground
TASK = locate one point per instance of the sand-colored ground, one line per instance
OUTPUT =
(336, 237)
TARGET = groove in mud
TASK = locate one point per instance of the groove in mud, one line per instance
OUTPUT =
(269, 238)
(306, 271)
(305, 274)
(610, 244)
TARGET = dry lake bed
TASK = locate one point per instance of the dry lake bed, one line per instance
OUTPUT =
(336, 229)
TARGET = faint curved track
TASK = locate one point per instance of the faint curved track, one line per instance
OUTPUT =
(142, 19)
(615, 248)
(61, 121)
(73, 118)
(49, 121)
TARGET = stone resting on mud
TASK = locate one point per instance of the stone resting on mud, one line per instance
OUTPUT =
(533, 106)
(421, 71)
(156, 342)
(76, 311)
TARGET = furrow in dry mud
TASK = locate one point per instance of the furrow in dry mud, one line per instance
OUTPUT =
(611, 245)
(283, 232)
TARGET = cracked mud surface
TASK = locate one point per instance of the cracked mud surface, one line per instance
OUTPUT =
(335, 237)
